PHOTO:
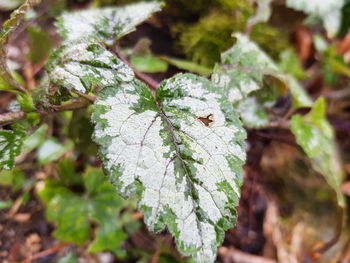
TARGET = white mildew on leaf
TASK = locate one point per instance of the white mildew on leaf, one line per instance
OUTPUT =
(10, 145)
(329, 11)
(249, 78)
(105, 24)
(183, 154)
(84, 66)
(82, 63)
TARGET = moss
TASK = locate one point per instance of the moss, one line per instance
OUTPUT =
(204, 41)
(272, 40)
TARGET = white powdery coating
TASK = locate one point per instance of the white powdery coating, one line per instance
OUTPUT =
(317, 7)
(137, 147)
(249, 112)
(74, 67)
(246, 46)
(120, 21)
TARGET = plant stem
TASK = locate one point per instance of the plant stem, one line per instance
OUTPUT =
(153, 84)
(10, 117)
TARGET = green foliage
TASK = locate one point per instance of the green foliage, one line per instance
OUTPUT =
(316, 137)
(10, 145)
(39, 45)
(74, 213)
(7, 28)
(148, 64)
(188, 66)
(51, 150)
(203, 42)
(15, 179)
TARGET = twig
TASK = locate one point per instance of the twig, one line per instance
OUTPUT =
(10, 117)
(45, 252)
(85, 96)
(153, 84)
(237, 256)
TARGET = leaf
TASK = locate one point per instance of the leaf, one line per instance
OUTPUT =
(316, 137)
(7, 28)
(14, 178)
(188, 66)
(51, 150)
(327, 11)
(10, 145)
(247, 71)
(83, 66)
(39, 44)
(183, 152)
(34, 140)
(148, 64)
(104, 25)
(73, 213)
(69, 258)
(290, 63)
(5, 204)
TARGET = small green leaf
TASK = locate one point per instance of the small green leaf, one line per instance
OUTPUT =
(69, 258)
(14, 178)
(10, 145)
(148, 64)
(39, 44)
(51, 150)
(73, 213)
(316, 137)
(34, 140)
(5, 204)
(290, 63)
(188, 65)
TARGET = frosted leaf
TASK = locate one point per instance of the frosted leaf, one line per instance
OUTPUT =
(81, 63)
(182, 152)
(104, 24)
(10, 145)
(247, 71)
(84, 66)
(329, 11)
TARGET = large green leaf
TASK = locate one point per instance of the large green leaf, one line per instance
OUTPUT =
(329, 11)
(251, 81)
(10, 145)
(104, 25)
(316, 137)
(183, 151)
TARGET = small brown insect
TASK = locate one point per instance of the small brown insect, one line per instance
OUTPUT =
(207, 121)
